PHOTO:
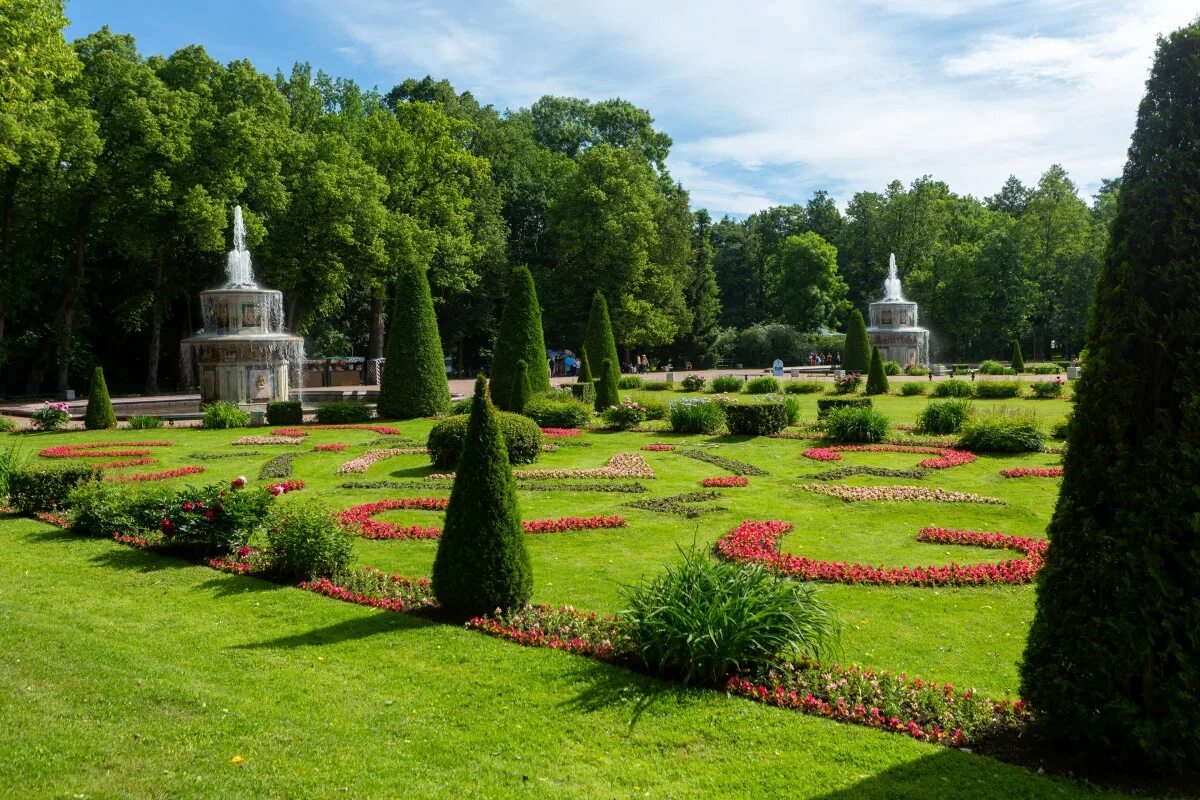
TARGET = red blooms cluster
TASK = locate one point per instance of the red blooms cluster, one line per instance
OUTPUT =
(758, 541)
(50, 518)
(283, 487)
(563, 524)
(564, 628)
(330, 448)
(101, 450)
(140, 542)
(657, 447)
(359, 518)
(382, 430)
(726, 481)
(1035, 472)
(132, 462)
(156, 476)
(419, 587)
(946, 457)
(560, 433)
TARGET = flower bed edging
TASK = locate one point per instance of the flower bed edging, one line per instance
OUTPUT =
(1032, 472)
(946, 457)
(854, 494)
(136, 477)
(725, 481)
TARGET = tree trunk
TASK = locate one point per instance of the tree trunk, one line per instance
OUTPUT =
(6, 225)
(71, 299)
(375, 341)
(156, 319)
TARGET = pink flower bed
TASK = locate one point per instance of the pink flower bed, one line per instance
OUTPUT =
(726, 481)
(621, 465)
(330, 448)
(560, 433)
(132, 462)
(410, 593)
(758, 541)
(50, 518)
(101, 450)
(382, 430)
(268, 440)
(179, 472)
(360, 519)
(283, 487)
(854, 494)
(1032, 472)
(946, 457)
(657, 447)
(363, 462)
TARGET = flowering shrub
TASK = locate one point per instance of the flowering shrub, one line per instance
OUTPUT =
(736, 467)
(1045, 390)
(178, 472)
(329, 448)
(758, 541)
(283, 487)
(853, 494)
(1036, 472)
(271, 440)
(53, 417)
(694, 383)
(680, 504)
(295, 432)
(560, 433)
(626, 415)
(657, 447)
(374, 588)
(946, 457)
(215, 520)
(363, 462)
(725, 480)
(848, 383)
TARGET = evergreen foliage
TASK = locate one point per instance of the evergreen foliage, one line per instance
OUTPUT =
(607, 394)
(100, 414)
(857, 357)
(1113, 658)
(599, 343)
(877, 382)
(585, 368)
(520, 339)
(1018, 361)
(414, 375)
(520, 388)
(481, 562)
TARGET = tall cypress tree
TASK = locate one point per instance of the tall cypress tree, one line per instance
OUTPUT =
(607, 393)
(521, 392)
(857, 357)
(414, 375)
(100, 414)
(1112, 663)
(599, 343)
(877, 382)
(481, 561)
(1018, 360)
(519, 339)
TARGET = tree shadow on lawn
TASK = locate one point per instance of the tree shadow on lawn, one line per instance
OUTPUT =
(140, 560)
(729, 438)
(617, 686)
(223, 586)
(344, 631)
(412, 472)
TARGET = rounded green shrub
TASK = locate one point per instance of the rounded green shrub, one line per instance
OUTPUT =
(1002, 432)
(696, 415)
(944, 416)
(100, 414)
(1046, 390)
(827, 405)
(519, 339)
(7, 425)
(763, 384)
(727, 383)
(952, 388)
(414, 374)
(658, 386)
(857, 425)
(891, 368)
(522, 439)
(343, 412)
(285, 412)
(655, 409)
(305, 543)
(222, 415)
(558, 413)
(912, 388)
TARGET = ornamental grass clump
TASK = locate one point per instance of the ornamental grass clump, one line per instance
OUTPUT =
(703, 620)
(145, 422)
(481, 561)
(912, 389)
(852, 424)
(558, 412)
(696, 415)
(952, 388)
(223, 415)
(944, 416)
(727, 383)
(304, 544)
(1001, 431)
(763, 384)
(100, 414)
(993, 390)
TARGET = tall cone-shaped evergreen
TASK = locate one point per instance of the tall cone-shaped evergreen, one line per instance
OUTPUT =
(100, 414)
(481, 562)
(1018, 361)
(585, 369)
(877, 382)
(599, 343)
(519, 339)
(414, 375)
(606, 386)
(520, 388)
(857, 357)
(1112, 664)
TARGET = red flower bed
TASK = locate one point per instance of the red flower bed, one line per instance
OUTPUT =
(283, 487)
(133, 462)
(560, 433)
(360, 520)
(382, 430)
(758, 541)
(946, 457)
(726, 480)
(410, 593)
(156, 476)
(566, 629)
(1032, 472)
(89, 449)
(657, 447)
(50, 518)
(572, 524)
(330, 448)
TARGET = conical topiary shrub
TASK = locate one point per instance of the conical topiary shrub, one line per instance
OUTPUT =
(520, 389)
(857, 357)
(599, 343)
(100, 414)
(1018, 361)
(585, 369)
(481, 562)
(519, 339)
(607, 393)
(1112, 663)
(877, 382)
(414, 375)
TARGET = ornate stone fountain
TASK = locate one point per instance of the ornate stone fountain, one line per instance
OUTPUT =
(893, 325)
(242, 355)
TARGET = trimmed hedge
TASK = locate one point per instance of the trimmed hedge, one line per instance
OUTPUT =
(33, 489)
(763, 384)
(952, 388)
(756, 419)
(100, 414)
(803, 387)
(912, 388)
(522, 439)
(343, 412)
(518, 339)
(1002, 433)
(584, 393)
(414, 375)
(556, 413)
(859, 425)
(630, 382)
(991, 390)
(285, 412)
(827, 405)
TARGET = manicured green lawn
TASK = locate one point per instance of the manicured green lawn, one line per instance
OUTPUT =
(136, 675)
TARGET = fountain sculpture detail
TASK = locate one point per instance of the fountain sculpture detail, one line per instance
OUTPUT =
(893, 324)
(243, 354)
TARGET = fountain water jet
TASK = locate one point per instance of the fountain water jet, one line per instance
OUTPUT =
(243, 354)
(893, 324)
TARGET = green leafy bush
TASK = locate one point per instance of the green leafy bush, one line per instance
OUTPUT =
(848, 383)
(727, 383)
(7, 425)
(694, 383)
(33, 489)
(306, 543)
(696, 415)
(763, 384)
(1002, 432)
(992, 390)
(583, 392)
(145, 422)
(222, 415)
(1018, 360)
(522, 439)
(214, 520)
(826, 405)
(990, 367)
(916, 370)
(1046, 390)
(803, 387)
(858, 425)
(756, 419)
(952, 388)
(891, 368)
(10, 461)
(100, 414)
(99, 508)
(703, 619)
(285, 412)
(656, 409)
(944, 416)
(51, 417)
(626, 414)
(630, 382)
(1059, 429)
(343, 412)
(912, 388)
(791, 405)
(658, 386)
(549, 413)
(1046, 369)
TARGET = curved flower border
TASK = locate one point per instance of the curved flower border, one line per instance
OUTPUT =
(946, 457)
(1032, 472)
(856, 494)
(725, 481)
(136, 477)
(371, 457)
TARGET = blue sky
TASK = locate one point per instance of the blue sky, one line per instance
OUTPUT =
(766, 101)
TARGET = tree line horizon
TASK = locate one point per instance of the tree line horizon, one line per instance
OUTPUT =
(119, 172)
